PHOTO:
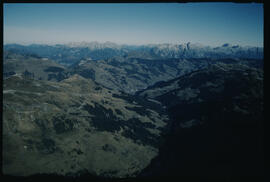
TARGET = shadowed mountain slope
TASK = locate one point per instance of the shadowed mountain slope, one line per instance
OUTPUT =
(216, 123)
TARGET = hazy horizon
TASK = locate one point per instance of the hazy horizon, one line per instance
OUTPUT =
(124, 44)
(210, 24)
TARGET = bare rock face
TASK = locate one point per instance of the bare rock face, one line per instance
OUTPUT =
(76, 125)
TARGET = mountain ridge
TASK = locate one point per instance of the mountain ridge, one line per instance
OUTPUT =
(75, 51)
(125, 73)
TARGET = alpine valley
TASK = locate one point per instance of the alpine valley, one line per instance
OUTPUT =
(126, 111)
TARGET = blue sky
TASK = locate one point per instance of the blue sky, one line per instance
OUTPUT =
(206, 23)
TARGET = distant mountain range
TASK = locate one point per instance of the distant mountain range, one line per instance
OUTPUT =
(70, 53)
(127, 74)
